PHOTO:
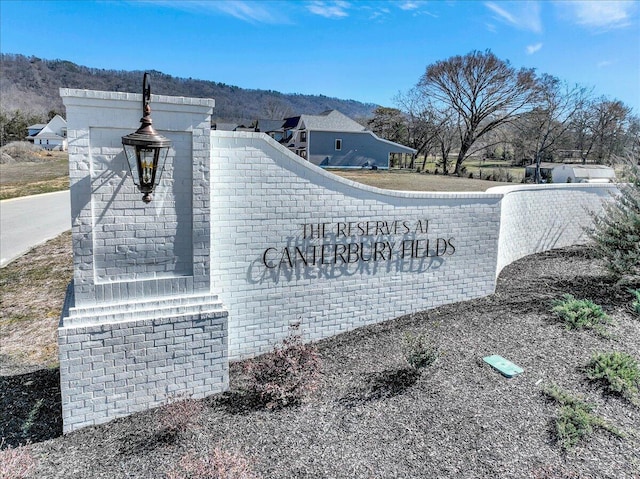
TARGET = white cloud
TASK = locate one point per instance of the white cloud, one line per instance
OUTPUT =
(248, 11)
(409, 5)
(604, 64)
(379, 14)
(531, 49)
(329, 9)
(601, 15)
(524, 15)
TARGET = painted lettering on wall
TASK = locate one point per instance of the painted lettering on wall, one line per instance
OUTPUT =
(355, 242)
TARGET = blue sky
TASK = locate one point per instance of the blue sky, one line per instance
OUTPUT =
(361, 50)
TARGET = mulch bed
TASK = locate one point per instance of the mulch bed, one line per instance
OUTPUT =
(372, 416)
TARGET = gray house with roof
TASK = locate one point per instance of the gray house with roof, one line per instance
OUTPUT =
(333, 140)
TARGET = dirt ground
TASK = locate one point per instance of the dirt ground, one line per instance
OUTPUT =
(372, 417)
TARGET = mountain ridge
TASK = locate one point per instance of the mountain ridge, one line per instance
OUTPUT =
(31, 84)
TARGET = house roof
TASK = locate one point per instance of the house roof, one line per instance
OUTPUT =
(330, 120)
(47, 135)
(580, 170)
(226, 126)
(593, 171)
(398, 148)
(269, 125)
(37, 126)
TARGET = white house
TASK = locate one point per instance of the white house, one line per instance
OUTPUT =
(52, 136)
(573, 173)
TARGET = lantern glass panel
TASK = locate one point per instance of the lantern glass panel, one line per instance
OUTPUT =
(147, 165)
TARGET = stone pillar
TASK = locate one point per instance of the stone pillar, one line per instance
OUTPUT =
(140, 324)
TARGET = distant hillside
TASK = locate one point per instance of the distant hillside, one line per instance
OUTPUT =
(31, 84)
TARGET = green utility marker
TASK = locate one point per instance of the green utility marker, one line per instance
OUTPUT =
(506, 367)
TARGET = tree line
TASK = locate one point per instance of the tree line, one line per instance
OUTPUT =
(29, 87)
(479, 105)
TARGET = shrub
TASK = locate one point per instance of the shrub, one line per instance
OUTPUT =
(573, 424)
(575, 420)
(282, 377)
(218, 465)
(617, 370)
(16, 462)
(179, 416)
(580, 313)
(418, 351)
(616, 232)
(554, 472)
(501, 174)
(635, 304)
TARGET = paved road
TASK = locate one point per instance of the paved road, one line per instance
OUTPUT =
(32, 220)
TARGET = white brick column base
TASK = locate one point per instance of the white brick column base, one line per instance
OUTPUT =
(143, 356)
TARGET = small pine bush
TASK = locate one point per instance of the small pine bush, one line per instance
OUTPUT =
(617, 370)
(283, 377)
(16, 462)
(635, 304)
(218, 465)
(580, 313)
(418, 351)
(616, 232)
(575, 421)
(573, 424)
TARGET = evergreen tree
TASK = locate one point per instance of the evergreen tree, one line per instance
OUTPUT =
(616, 231)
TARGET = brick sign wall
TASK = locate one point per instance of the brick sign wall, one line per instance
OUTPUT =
(244, 239)
(293, 243)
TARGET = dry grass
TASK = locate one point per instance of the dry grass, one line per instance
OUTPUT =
(21, 178)
(410, 181)
(31, 295)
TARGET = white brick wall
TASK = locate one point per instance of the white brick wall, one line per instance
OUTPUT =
(262, 194)
(241, 221)
(116, 368)
(139, 325)
(123, 248)
(538, 218)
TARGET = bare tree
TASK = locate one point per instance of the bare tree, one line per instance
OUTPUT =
(632, 143)
(419, 118)
(276, 110)
(485, 92)
(389, 123)
(556, 105)
(582, 130)
(446, 129)
(604, 128)
(609, 128)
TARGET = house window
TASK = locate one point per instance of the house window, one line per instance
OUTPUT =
(303, 153)
(338, 144)
(303, 136)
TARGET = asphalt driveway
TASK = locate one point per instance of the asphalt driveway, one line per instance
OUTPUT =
(29, 221)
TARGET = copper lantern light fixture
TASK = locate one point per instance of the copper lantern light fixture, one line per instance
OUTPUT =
(147, 148)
